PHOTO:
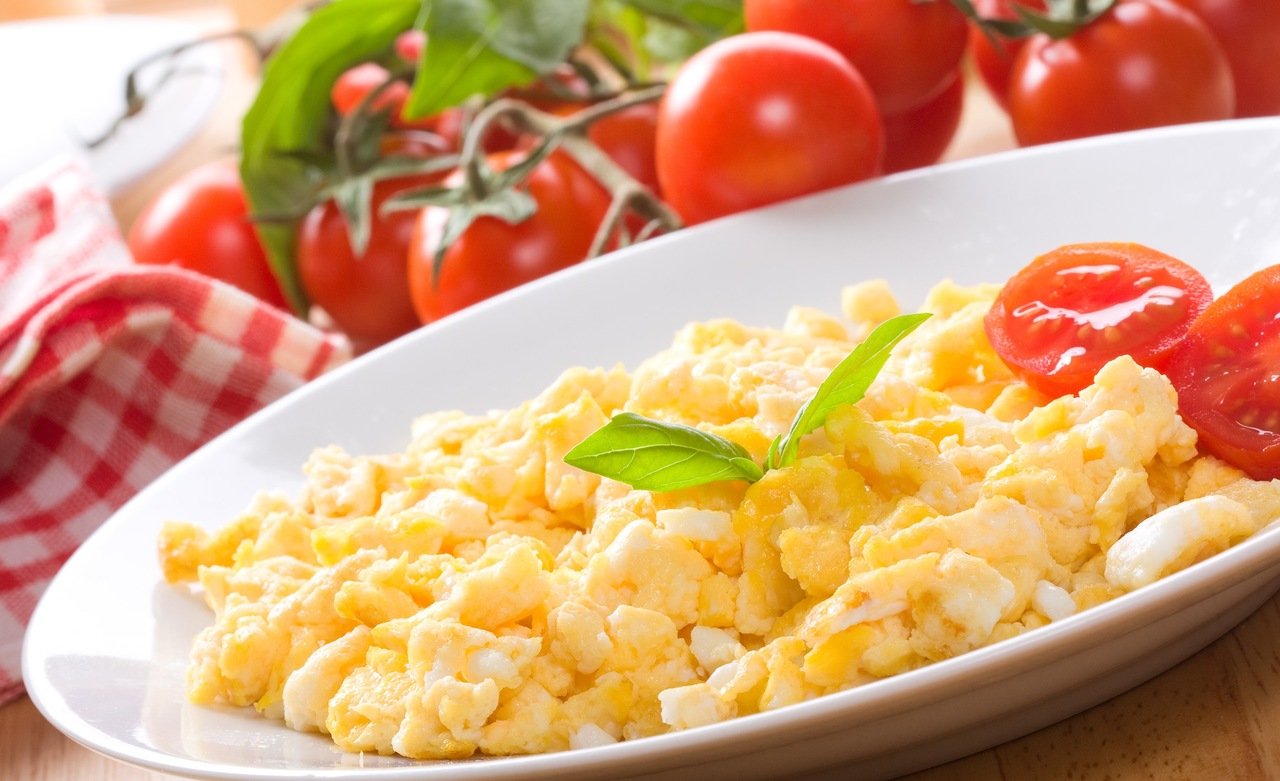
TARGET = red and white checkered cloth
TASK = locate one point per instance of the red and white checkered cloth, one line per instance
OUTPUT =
(109, 373)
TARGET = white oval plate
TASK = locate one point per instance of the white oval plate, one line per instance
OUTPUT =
(107, 647)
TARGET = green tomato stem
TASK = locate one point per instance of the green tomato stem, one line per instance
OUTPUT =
(626, 193)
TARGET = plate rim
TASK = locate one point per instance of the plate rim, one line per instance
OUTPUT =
(1217, 573)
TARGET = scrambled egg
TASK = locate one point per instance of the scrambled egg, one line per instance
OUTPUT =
(475, 594)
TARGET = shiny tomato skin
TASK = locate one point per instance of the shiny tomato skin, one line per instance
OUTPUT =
(994, 61)
(920, 136)
(1071, 311)
(1249, 31)
(1144, 63)
(368, 296)
(1225, 373)
(492, 255)
(201, 222)
(761, 117)
(905, 49)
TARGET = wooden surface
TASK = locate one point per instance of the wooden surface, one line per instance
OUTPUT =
(1215, 716)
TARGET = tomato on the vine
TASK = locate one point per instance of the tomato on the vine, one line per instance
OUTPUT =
(409, 45)
(355, 84)
(1249, 31)
(201, 222)
(762, 117)
(1225, 373)
(994, 58)
(367, 296)
(918, 137)
(1071, 311)
(630, 138)
(492, 255)
(905, 49)
(1144, 63)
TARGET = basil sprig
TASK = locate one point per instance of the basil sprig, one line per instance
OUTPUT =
(289, 119)
(653, 455)
(846, 384)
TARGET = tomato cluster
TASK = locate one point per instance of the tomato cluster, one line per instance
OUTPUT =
(1071, 311)
(1141, 63)
(814, 94)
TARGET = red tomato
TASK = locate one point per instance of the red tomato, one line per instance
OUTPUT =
(1144, 63)
(410, 44)
(919, 137)
(368, 296)
(492, 255)
(630, 138)
(201, 222)
(762, 117)
(448, 125)
(995, 60)
(1225, 373)
(1249, 31)
(354, 84)
(905, 49)
(1063, 317)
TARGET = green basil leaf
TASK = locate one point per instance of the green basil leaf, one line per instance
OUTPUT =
(481, 47)
(656, 456)
(617, 31)
(639, 35)
(846, 384)
(289, 117)
(712, 18)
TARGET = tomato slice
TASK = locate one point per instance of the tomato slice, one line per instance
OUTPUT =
(1063, 317)
(1227, 372)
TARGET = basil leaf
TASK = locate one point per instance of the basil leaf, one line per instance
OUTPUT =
(656, 456)
(846, 384)
(481, 47)
(711, 18)
(289, 118)
(636, 35)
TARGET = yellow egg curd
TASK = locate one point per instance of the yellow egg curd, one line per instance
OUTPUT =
(475, 594)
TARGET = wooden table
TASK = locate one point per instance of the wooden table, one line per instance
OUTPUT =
(1215, 716)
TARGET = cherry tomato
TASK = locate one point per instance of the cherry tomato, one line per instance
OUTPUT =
(412, 143)
(492, 255)
(409, 46)
(905, 49)
(762, 117)
(1063, 317)
(563, 86)
(630, 138)
(994, 61)
(368, 296)
(919, 137)
(1144, 63)
(1249, 31)
(498, 138)
(354, 84)
(201, 222)
(1226, 376)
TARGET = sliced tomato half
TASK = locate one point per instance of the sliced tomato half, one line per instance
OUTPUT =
(1227, 372)
(1071, 311)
